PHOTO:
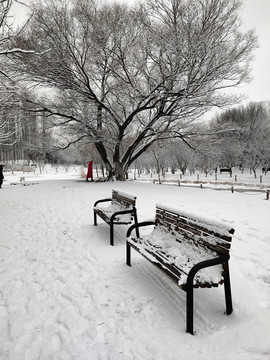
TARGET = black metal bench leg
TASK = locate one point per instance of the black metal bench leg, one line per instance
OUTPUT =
(189, 309)
(136, 222)
(227, 289)
(95, 218)
(111, 233)
(128, 260)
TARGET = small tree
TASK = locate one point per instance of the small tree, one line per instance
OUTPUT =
(159, 156)
(182, 156)
(205, 162)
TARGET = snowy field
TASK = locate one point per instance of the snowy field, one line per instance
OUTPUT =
(66, 294)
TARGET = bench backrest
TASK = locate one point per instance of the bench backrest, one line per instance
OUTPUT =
(214, 236)
(124, 199)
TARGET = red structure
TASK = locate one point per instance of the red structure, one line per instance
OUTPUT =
(89, 171)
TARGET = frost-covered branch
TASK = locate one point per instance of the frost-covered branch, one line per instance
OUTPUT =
(17, 50)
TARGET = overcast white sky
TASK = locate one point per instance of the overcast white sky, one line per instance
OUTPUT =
(255, 15)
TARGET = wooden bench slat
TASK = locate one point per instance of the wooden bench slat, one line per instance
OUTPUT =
(201, 239)
(120, 198)
(122, 201)
(102, 215)
(198, 223)
(175, 218)
(219, 243)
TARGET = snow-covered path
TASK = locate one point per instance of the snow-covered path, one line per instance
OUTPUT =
(65, 293)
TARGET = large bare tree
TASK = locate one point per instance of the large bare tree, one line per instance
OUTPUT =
(123, 78)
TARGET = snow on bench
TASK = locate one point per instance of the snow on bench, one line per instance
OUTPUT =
(121, 211)
(192, 251)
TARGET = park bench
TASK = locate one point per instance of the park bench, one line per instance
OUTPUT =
(192, 251)
(225, 170)
(121, 211)
(265, 169)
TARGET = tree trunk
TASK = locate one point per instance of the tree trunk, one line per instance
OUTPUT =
(102, 152)
(120, 171)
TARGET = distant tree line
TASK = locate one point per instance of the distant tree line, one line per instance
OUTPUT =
(238, 137)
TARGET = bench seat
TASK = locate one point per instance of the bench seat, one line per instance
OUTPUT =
(106, 213)
(177, 259)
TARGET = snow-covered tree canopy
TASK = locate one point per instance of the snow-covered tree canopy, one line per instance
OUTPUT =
(123, 78)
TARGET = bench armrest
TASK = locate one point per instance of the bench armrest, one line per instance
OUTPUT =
(102, 200)
(204, 264)
(140, 224)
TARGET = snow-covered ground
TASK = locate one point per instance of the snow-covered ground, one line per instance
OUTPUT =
(66, 294)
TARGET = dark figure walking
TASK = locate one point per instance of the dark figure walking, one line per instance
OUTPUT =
(1, 175)
(89, 171)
